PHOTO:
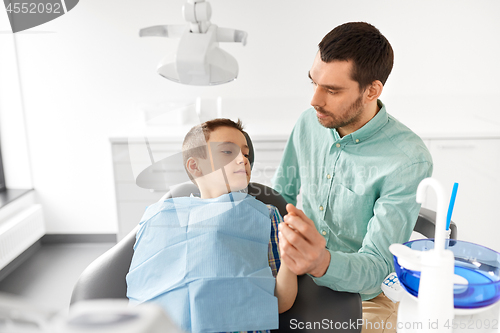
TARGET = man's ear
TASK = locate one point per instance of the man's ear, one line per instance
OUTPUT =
(193, 167)
(373, 91)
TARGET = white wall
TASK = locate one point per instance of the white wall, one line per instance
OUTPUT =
(85, 74)
(14, 141)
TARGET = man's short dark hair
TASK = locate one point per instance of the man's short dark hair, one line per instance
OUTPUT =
(195, 141)
(363, 44)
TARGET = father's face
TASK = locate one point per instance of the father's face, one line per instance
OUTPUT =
(337, 99)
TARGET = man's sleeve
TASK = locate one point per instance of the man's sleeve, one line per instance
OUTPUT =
(286, 180)
(395, 215)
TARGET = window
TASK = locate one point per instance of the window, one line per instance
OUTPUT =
(2, 176)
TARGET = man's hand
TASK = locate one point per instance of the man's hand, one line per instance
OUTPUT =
(301, 245)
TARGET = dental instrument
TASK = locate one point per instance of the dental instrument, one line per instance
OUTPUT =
(451, 206)
(449, 285)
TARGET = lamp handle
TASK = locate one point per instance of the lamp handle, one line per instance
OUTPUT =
(171, 31)
(231, 35)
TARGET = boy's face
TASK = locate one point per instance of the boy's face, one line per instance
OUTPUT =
(228, 152)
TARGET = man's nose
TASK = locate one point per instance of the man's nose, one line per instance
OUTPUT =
(318, 97)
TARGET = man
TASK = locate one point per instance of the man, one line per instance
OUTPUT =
(357, 169)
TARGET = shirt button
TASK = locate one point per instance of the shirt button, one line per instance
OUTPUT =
(328, 176)
(320, 207)
(323, 233)
(338, 145)
(357, 140)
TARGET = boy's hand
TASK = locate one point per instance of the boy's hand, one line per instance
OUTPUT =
(301, 245)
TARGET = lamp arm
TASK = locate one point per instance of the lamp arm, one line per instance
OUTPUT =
(198, 14)
(171, 31)
(231, 35)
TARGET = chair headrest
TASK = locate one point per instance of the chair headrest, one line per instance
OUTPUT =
(251, 154)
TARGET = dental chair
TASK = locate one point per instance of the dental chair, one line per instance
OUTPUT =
(105, 277)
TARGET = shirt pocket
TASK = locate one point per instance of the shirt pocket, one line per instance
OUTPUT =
(351, 213)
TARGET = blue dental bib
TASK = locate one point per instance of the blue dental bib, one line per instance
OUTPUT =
(206, 262)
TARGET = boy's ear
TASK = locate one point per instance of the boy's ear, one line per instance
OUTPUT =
(193, 167)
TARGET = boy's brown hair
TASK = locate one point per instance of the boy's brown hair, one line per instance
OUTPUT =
(195, 141)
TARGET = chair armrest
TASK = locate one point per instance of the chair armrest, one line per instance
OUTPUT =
(426, 224)
(105, 276)
(321, 304)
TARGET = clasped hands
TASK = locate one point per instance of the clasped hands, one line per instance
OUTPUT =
(302, 247)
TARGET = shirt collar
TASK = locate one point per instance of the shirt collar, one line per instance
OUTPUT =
(370, 128)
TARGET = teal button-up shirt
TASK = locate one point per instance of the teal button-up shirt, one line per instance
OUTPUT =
(359, 190)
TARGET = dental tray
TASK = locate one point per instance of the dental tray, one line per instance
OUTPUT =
(477, 273)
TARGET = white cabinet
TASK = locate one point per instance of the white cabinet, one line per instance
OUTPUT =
(475, 165)
(268, 154)
(131, 199)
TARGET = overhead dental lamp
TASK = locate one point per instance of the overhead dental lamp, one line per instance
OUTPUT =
(199, 60)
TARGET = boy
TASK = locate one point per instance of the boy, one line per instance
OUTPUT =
(209, 261)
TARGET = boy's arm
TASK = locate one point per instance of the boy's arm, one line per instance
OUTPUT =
(286, 288)
(286, 280)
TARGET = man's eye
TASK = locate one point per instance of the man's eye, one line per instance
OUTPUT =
(332, 92)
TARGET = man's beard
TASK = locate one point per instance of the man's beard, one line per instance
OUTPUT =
(352, 114)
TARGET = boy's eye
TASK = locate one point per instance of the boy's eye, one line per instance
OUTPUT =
(227, 152)
(246, 155)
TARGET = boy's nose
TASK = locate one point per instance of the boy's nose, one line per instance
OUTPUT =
(241, 159)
